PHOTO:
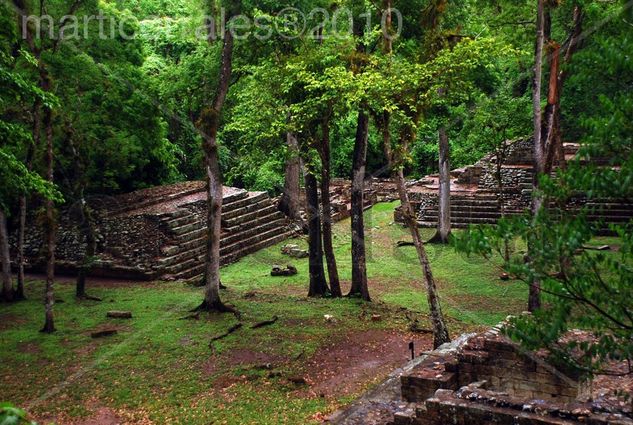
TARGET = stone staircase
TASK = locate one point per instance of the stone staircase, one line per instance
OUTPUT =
(475, 197)
(466, 209)
(250, 222)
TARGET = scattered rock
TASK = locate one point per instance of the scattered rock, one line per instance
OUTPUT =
(102, 333)
(376, 317)
(115, 314)
(290, 270)
(329, 318)
(294, 251)
(504, 276)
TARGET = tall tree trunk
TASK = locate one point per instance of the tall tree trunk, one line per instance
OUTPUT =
(209, 124)
(500, 157)
(318, 285)
(359, 260)
(289, 203)
(444, 195)
(19, 293)
(5, 260)
(326, 211)
(440, 330)
(88, 229)
(19, 290)
(49, 299)
(534, 299)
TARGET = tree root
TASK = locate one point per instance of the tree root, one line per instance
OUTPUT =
(228, 332)
(265, 323)
(88, 297)
(218, 307)
(437, 239)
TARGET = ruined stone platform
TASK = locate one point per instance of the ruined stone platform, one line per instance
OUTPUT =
(482, 379)
(160, 233)
(476, 198)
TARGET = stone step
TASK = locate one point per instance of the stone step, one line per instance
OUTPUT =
(197, 270)
(234, 256)
(182, 260)
(188, 228)
(256, 221)
(474, 202)
(253, 206)
(433, 214)
(196, 232)
(252, 240)
(198, 237)
(486, 208)
(251, 216)
(454, 225)
(264, 224)
(239, 203)
(229, 210)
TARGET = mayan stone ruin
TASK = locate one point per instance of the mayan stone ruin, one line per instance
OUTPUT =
(159, 233)
(477, 199)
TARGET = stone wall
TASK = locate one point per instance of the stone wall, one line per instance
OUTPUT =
(488, 379)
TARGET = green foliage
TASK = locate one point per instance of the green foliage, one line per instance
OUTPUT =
(583, 289)
(11, 415)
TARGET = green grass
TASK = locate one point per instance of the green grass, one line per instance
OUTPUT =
(162, 368)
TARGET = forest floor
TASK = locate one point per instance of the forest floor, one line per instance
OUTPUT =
(160, 368)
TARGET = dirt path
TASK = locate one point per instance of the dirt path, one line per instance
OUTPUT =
(352, 362)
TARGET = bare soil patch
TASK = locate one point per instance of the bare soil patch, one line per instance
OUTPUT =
(349, 363)
(8, 321)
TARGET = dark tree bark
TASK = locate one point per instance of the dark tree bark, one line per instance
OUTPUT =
(19, 293)
(444, 195)
(5, 260)
(534, 299)
(551, 131)
(88, 229)
(359, 260)
(440, 331)
(500, 157)
(289, 203)
(49, 298)
(209, 124)
(326, 210)
(318, 285)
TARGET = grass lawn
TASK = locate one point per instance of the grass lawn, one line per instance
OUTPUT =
(160, 368)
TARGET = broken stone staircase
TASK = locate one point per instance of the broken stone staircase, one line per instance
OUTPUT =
(250, 222)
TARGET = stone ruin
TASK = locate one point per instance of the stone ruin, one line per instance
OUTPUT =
(160, 233)
(485, 379)
(476, 198)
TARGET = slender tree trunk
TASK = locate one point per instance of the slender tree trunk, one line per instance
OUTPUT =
(359, 260)
(318, 285)
(19, 293)
(5, 260)
(88, 228)
(444, 212)
(49, 324)
(440, 331)
(386, 141)
(326, 211)
(387, 36)
(534, 300)
(209, 124)
(289, 203)
(500, 159)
